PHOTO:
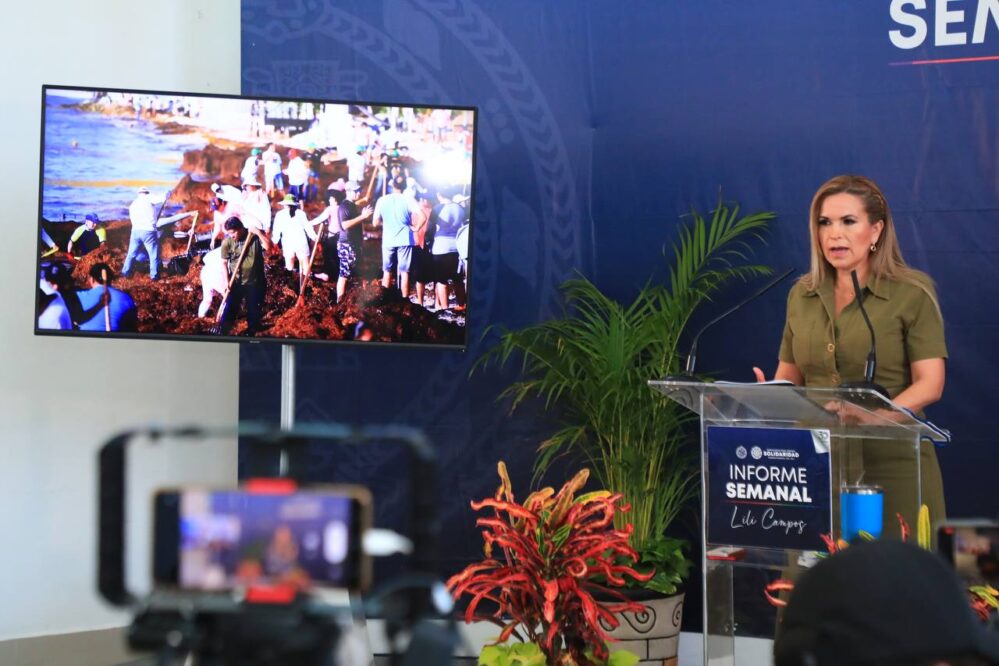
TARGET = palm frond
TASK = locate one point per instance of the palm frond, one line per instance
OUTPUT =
(593, 364)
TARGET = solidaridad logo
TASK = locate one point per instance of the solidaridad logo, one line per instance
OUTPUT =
(756, 452)
(740, 453)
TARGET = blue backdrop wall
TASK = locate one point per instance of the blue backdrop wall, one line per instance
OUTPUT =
(601, 123)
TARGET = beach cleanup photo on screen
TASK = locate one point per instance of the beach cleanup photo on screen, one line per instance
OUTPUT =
(221, 217)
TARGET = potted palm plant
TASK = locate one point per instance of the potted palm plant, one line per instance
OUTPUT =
(591, 367)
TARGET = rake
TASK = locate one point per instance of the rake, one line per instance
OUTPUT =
(307, 273)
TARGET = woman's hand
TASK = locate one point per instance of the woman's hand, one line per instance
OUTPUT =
(850, 414)
(785, 371)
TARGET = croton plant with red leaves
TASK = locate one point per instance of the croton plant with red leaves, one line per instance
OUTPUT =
(984, 599)
(551, 568)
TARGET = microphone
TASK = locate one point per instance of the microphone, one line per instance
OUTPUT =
(872, 360)
(688, 373)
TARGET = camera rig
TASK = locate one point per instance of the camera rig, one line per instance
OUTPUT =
(272, 627)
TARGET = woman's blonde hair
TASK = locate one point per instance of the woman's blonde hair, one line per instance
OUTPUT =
(886, 261)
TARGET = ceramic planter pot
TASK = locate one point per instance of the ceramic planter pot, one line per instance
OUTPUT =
(653, 635)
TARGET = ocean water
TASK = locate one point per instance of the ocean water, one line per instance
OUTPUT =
(95, 163)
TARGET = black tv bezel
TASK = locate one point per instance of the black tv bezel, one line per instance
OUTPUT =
(229, 339)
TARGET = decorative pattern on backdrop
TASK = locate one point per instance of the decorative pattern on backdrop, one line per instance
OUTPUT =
(599, 128)
(526, 241)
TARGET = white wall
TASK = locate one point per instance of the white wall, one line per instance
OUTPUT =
(59, 399)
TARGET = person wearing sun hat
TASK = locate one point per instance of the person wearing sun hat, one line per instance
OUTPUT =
(292, 230)
(142, 214)
(228, 204)
(256, 207)
(882, 603)
(344, 237)
(350, 237)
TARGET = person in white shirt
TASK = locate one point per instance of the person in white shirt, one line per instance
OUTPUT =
(251, 166)
(356, 162)
(298, 174)
(143, 216)
(292, 229)
(256, 208)
(272, 170)
(228, 204)
(413, 189)
(212, 279)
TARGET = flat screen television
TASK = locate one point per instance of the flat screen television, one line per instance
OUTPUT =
(217, 217)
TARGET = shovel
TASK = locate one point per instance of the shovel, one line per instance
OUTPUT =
(167, 221)
(179, 264)
(217, 328)
(371, 188)
(307, 273)
(166, 197)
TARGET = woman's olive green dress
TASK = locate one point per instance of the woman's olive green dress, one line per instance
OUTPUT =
(830, 350)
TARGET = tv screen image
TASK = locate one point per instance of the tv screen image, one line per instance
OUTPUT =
(221, 217)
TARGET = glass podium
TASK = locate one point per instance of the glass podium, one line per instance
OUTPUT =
(853, 430)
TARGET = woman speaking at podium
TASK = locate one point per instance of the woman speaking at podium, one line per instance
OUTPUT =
(826, 341)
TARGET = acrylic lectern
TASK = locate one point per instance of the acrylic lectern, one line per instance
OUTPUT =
(782, 465)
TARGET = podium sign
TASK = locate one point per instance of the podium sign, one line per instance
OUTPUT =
(768, 487)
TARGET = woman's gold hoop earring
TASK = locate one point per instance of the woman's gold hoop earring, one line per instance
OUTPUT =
(874, 248)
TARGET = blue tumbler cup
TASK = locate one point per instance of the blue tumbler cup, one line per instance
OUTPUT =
(860, 510)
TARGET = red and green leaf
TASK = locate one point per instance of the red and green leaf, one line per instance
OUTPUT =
(553, 554)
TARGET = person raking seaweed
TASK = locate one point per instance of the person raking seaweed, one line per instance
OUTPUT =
(243, 260)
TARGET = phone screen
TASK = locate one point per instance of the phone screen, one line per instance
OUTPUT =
(973, 550)
(224, 539)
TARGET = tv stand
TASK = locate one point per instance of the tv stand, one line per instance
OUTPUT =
(289, 357)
